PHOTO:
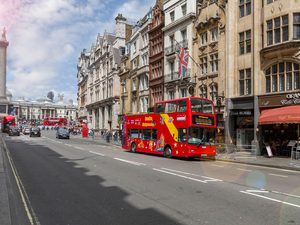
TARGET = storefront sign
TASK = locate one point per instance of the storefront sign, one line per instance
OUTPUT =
(241, 113)
(291, 99)
(278, 100)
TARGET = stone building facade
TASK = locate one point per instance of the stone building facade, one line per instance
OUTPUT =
(178, 32)
(156, 54)
(139, 66)
(82, 76)
(209, 43)
(262, 67)
(101, 83)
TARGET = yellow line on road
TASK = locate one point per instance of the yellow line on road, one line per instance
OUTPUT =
(25, 200)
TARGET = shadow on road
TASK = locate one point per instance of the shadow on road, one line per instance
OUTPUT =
(61, 192)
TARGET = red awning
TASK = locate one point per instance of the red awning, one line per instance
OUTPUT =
(287, 114)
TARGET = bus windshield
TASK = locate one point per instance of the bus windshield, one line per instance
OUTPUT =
(202, 106)
(199, 135)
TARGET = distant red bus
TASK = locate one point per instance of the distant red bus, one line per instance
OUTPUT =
(7, 121)
(54, 121)
(183, 127)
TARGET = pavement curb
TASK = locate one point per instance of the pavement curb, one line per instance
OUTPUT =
(5, 217)
(261, 164)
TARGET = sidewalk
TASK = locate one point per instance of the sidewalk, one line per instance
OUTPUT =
(275, 162)
(4, 203)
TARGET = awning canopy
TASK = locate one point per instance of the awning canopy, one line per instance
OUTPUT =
(287, 114)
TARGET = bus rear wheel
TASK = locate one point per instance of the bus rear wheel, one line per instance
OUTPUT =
(168, 152)
(133, 147)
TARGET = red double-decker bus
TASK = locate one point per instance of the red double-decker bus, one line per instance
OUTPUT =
(184, 127)
(54, 121)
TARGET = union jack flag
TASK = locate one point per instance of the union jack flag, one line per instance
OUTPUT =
(183, 58)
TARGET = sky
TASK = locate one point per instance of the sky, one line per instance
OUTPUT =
(46, 38)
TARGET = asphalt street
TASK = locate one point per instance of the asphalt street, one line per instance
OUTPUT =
(77, 182)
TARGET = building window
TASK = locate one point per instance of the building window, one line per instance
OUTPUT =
(245, 42)
(203, 65)
(284, 76)
(214, 62)
(183, 9)
(172, 16)
(245, 82)
(271, 1)
(213, 92)
(183, 92)
(203, 39)
(134, 86)
(278, 30)
(171, 39)
(296, 31)
(171, 95)
(134, 47)
(203, 91)
(245, 8)
(274, 77)
(214, 34)
(143, 104)
(183, 35)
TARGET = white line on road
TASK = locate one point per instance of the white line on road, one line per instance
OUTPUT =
(196, 175)
(277, 175)
(131, 162)
(211, 178)
(257, 191)
(178, 175)
(217, 166)
(97, 153)
(178, 171)
(244, 169)
(282, 193)
(271, 199)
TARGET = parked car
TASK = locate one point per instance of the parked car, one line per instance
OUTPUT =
(26, 130)
(13, 131)
(63, 132)
(35, 132)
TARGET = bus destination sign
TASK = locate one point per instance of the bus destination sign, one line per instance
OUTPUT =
(203, 120)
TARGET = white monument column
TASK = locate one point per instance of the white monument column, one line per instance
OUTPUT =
(3, 47)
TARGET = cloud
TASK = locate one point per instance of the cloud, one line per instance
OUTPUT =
(135, 9)
(46, 37)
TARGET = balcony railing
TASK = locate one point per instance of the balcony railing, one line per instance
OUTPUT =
(171, 77)
(170, 50)
(174, 76)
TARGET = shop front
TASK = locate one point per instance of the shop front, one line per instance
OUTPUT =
(241, 121)
(279, 122)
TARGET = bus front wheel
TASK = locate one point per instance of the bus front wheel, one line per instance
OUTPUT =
(168, 152)
(133, 147)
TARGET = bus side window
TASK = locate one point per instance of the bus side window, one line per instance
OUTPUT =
(182, 135)
(160, 108)
(154, 134)
(170, 107)
(134, 133)
(146, 134)
(181, 106)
